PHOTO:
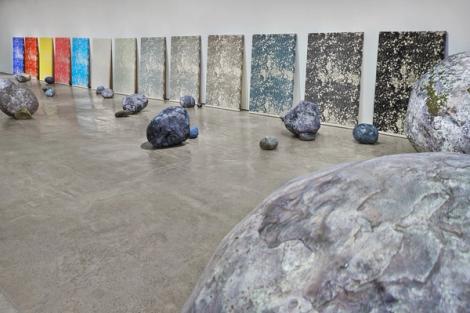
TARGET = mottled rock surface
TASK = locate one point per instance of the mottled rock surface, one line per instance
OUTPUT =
(134, 103)
(187, 102)
(169, 128)
(193, 132)
(303, 120)
(49, 80)
(50, 92)
(268, 143)
(359, 237)
(366, 133)
(99, 90)
(22, 78)
(14, 98)
(438, 116)
(107, 93)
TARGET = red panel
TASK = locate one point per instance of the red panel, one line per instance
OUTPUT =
(62, 60)
(31, 56)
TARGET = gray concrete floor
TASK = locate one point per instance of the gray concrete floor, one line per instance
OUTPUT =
(91, 222)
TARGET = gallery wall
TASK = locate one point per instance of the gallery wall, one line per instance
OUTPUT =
(141, 18)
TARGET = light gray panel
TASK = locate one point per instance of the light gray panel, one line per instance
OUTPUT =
(125, 65)
(100, 62)
(152, 67)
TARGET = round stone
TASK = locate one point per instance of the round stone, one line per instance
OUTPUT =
(49, 80)
(438, 115)
(22, 78)
(99, 90)
(268, 143)
(193, 132)
(134, 103)
(50, 92)
(187, 102)
(169, 128)
(107, 93)
(358, 237)
(366, 134)
(303, 120)
(15, 98)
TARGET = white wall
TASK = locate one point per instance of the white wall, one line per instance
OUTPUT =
(138, 18)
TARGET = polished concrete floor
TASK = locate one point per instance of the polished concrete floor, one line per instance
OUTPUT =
(92, 222)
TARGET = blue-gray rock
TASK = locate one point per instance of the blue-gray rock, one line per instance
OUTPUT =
(438, 115)
(50, 92)
(366, 134)
(303, 120)
(193, 133)
(22, 78)
(134, 103)
(107, 93)
(99, 90)
(187, 102)
(15, 99)
(49, 79)
(268, 143)
(358, 237)
(169, 128)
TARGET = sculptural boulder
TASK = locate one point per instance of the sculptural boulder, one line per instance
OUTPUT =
(134, 103)
(358, 237)
(187, 102)
(366, 133)
(169, 128)
(438, 115)
(303, 120)
(17, 101)
(107, 93)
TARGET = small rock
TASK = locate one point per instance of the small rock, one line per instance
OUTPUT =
(122, 113)
(366, 134)
(303, 120)
(99, 90)
(23, 77)
(50, 92)
(268, 143)
(193, 133)
(45, 88)
(199, 105)
(134, 103)
(169, 128)
(49, 79)
(23, 114)
(107, 93)
(187, 102)
(13, 98)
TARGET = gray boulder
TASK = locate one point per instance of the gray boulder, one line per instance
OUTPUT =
(303, 120)
(99, 90)
(107, 93)
(268, 143)
(187, 102)
(17, 100)
(438, 115)
(358, 237)
(134, 103)
(169, 128)
(22, 78)
(50, 92)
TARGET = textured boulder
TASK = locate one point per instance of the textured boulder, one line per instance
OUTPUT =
(49, 80)
(169, 128)
(22, 78)
(193, 132)
(268, 143)
(303, 120)
(107, 93)
(15, 100)
(50, 92)
(359, 237)
(438, 116)
(366, 134)
(187, 102)
(134, 103)
(99, 90)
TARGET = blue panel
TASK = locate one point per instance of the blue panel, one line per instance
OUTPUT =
(80, 62)
(18, 55)
(272, 73)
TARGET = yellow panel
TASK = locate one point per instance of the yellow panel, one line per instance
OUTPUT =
(45, 57)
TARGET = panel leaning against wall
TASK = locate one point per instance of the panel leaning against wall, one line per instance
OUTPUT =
(224, 71)
(402, 58)
(185, 67)
(31, 56)
(46, 55)
(334, 63)
(100, 62)
(62, 60)
(152, 67)
(125, 65)
(18, 55)
(272, 73)
(80, 62)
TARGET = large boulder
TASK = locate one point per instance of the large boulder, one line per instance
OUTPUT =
(169, 128)
(134, 103)
(438, 116)
(303, 120)
(16, 100)
(359, 237)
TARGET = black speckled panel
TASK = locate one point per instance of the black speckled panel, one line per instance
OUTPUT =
(402, 58)
(334, 63)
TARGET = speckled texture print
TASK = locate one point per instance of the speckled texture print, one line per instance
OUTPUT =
(80, 62)
(152, 67)
(272, 73)
(62, 60)
(185, 72)
(334, 63)
(31, 56)
(402, 58)
(100, 62)
(125, 65)
(224, 71)
(18, 55)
